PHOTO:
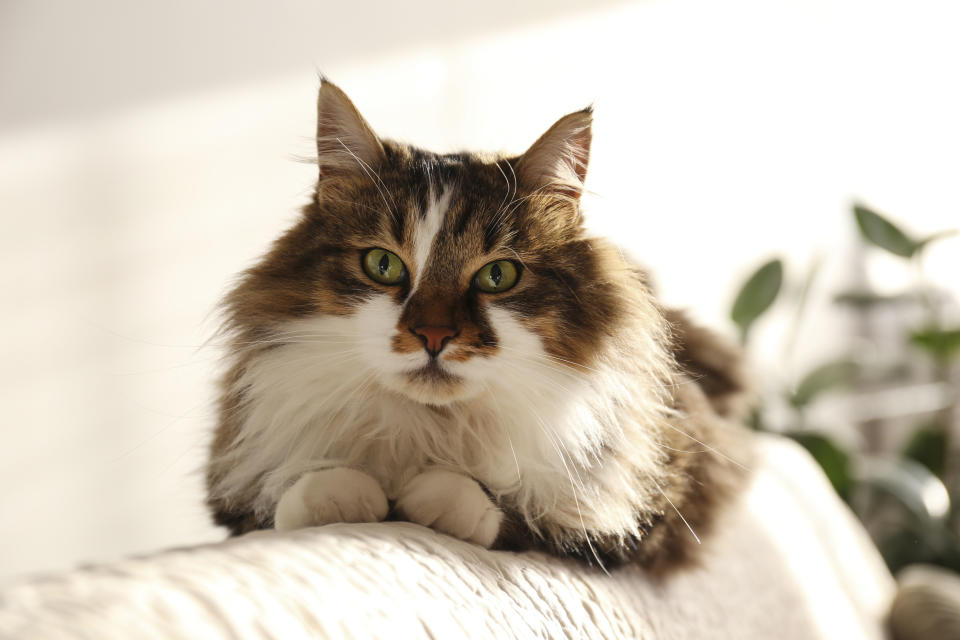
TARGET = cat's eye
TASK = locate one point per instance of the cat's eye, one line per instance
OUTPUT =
(384, 267)
(497, 276)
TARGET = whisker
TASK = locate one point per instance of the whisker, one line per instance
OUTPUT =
(703, 444)
(573, 489)
(378, 183)
(667, 498)
(506, 193)
(159, 431)
(573, 366)
(663, 446)
(516, 461)
(351, 203)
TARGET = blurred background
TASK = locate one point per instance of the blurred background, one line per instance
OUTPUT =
(779, 164)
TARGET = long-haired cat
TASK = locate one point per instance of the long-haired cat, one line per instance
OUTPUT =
(438, 340)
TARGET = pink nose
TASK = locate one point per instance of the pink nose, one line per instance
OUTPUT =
(434, 339)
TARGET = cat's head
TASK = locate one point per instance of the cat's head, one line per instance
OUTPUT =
(443, 274)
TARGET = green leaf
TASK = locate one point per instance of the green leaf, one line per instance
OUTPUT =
(921, 493)
(906, 510)
(804, 296)
(827, 377)
(831, 458)
(928, 446)
(867, 299)
(933, 237)
(883, 233)
(942, 344)
(756, 295)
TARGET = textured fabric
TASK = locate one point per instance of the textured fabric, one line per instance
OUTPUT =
(788, 561)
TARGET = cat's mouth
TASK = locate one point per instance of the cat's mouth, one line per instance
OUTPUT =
(433, 384)
(433, 371)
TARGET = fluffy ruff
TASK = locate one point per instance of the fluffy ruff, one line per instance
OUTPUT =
(569, 412)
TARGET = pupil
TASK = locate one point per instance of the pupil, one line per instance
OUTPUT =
(496, 274)
(384, 264)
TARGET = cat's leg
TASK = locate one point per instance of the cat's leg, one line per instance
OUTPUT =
(331, 495)
(450, 503)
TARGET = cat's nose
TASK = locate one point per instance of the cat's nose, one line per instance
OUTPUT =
(434, 339)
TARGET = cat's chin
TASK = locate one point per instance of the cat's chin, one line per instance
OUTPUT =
(432, 385)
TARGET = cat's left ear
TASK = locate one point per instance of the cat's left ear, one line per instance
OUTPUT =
(557, 162)
(345, 142)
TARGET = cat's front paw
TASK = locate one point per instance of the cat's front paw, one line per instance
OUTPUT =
(453, 504)
(331, 495)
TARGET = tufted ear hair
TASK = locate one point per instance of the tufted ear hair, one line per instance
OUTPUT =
(557, 162)
(345, 142)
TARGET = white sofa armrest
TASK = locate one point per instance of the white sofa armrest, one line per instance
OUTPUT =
(787, 561)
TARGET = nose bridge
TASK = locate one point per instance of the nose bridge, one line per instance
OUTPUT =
(436, 296)
(431, 307)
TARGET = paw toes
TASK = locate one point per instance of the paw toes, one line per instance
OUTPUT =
(331, 495)
(453, 504)
(488, 528)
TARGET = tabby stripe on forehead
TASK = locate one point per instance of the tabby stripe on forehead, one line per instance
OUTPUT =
(398, 225)
(426, 232)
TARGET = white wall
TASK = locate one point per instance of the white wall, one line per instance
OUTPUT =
(146, 155)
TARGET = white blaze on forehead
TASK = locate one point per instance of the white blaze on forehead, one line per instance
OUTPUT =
(426, 231)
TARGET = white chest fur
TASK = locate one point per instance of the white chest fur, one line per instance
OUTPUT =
(534, 435)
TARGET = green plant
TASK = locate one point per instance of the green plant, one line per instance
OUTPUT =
(756, 296)
(891, 494)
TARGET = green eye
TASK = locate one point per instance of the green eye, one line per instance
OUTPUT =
(383, 266)
(497, 276)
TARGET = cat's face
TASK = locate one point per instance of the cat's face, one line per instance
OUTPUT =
(444, 275)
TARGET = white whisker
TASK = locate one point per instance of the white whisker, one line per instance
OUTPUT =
(705, 445)
(667, 498)
(374, 177)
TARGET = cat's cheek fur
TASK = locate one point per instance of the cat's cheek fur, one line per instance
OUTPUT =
(450, 503)
(374, 323)
(514, 341)
(328, 496)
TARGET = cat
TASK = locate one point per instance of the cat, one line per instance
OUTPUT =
(439, 340)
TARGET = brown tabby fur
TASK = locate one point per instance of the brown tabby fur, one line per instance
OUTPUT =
(573, 292)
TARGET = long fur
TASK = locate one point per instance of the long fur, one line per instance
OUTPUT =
(563, 398)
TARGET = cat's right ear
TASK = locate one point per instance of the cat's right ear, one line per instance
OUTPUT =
(557, 163)
(345, 142)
